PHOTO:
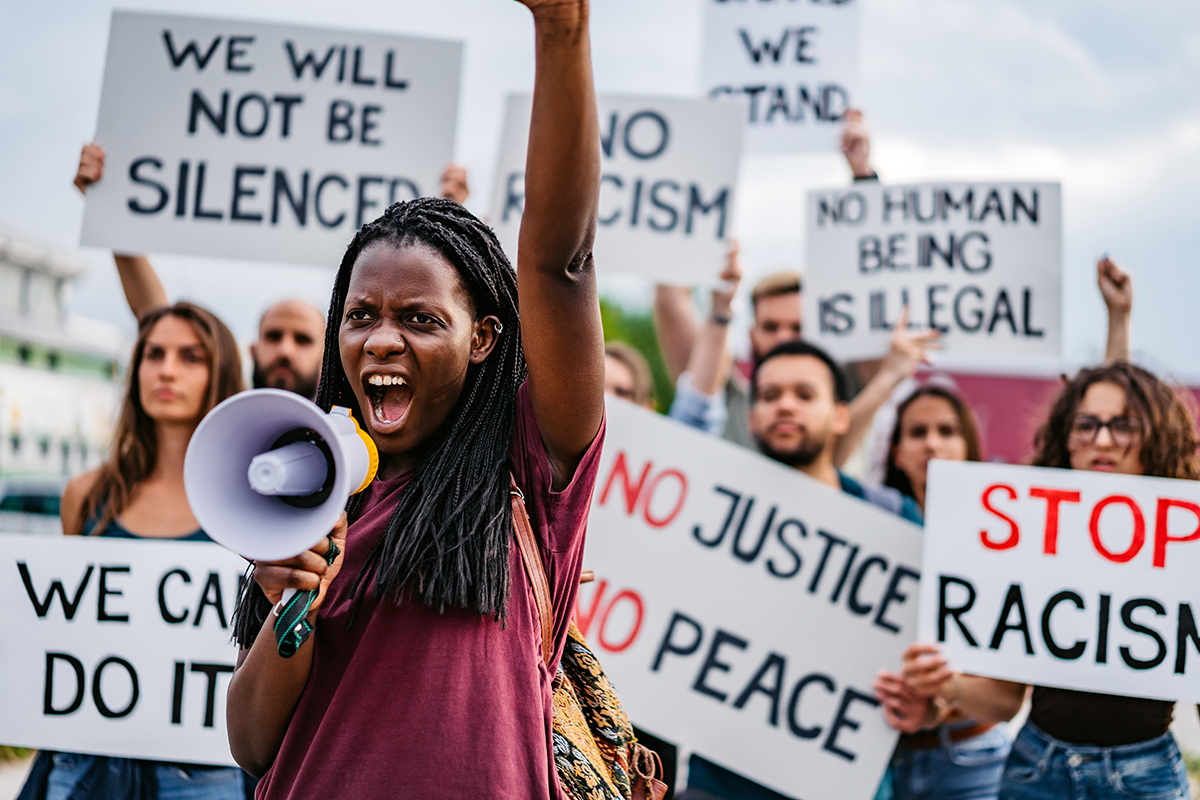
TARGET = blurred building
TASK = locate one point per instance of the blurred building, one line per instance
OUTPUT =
(59, 374)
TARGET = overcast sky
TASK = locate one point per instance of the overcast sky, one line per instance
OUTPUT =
(1099, 94)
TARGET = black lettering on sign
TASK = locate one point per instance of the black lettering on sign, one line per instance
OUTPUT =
(168, 617)
(894, 595)
(211, 597)
(42, 607)
(102, 614)
(1127, 618)
(1067, 653)
(97, 696)
(1013, 600)
(798, 729)
(669, 645)
(135, 176)
(309, 60)
(1185, 632)
(945, 610)
(48, 702)
(712, 662)
(192, 49)
(843, 720)
(774, 665)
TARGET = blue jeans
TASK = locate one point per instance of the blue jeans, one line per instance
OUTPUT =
(966, 770)
(1041, 767)
(175, 782)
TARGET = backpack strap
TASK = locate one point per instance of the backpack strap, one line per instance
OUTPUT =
(534, 568)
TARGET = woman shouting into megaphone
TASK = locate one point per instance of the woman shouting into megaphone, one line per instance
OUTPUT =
(424, 675)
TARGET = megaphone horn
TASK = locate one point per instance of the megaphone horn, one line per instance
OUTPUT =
(267, 473)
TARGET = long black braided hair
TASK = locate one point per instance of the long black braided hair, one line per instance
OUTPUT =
(448, 540)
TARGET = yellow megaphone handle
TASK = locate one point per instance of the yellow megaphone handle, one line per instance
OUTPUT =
(372, 455)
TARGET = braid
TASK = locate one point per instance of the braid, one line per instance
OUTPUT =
(448, 540)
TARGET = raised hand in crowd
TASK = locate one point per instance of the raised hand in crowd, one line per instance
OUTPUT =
(454, 183)
(710, 359)
(143, 289)
(1116, 287)
(856, 146)
(906, 352)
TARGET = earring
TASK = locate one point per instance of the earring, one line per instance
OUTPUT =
(499, 326)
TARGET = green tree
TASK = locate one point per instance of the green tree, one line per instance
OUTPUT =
(636, 328)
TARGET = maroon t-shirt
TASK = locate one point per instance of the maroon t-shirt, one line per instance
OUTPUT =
(412, 703)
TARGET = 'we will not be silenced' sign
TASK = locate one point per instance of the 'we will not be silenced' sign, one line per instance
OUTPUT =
(980, 262)
(260, 141)
(669, 173)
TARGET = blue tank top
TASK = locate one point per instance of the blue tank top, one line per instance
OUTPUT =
(118, 531)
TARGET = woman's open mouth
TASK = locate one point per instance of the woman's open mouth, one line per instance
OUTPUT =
(389, 397)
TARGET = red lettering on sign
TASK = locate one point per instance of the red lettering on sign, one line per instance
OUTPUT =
(639, 613)
(1053, 498)
(1161, 536)
(1014, 532)
(583, 618)
(632, 491)
(663, 522)
(1139, 528)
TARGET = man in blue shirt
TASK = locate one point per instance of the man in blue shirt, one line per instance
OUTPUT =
(798, 409)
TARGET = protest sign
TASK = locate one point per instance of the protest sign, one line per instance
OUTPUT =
(743, 609)
(981, 262)
(670, 170)
(117, 647)
(795, 63)
(261, 141)
(1080, 580)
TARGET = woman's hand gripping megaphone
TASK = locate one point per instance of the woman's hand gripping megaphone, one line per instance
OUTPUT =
(306, 572)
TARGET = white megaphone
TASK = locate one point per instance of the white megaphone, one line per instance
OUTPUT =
(267, 472)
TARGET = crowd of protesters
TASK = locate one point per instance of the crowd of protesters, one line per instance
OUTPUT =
(426, 294)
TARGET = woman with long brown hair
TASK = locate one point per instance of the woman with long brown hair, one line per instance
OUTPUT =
(1116, 418)
(184, 362)
(950, 756)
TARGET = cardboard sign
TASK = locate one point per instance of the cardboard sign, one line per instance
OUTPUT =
(260, 141)
(795, 63)
(670, 171)
(1080, 580)
(981, 262)
(117, 647)
(743, 609)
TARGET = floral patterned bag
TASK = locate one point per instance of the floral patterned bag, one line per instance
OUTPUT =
(596, 753)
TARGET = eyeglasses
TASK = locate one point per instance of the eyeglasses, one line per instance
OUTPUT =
(1124, 431)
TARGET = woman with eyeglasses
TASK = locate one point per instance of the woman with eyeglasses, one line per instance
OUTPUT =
(1116, 418)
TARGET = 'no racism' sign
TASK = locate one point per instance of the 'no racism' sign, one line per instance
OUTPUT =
(260, 141)
(669, 171)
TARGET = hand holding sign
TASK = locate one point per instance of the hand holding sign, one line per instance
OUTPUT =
(91, 166)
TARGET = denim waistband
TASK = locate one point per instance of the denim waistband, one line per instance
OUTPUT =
(1043, 742)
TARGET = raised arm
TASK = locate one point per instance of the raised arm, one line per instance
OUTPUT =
(556, 280)
(1116, 287)
(675, 326)
(905, 353)
(143, 290)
